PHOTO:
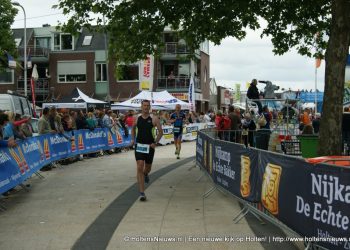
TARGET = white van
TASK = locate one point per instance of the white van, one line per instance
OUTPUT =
(16, 103)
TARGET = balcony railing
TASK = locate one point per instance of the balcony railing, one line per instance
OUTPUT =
(179, 82)
(34, 51)
(41, 86)
(175, 48)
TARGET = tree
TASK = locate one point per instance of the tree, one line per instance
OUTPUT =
(135, 28)
(7, 43)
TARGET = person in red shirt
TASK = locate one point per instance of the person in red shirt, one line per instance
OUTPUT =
(129, 120)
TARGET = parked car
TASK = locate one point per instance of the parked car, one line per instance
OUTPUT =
(16, 103)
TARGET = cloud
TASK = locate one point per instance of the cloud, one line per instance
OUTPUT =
(240, 61)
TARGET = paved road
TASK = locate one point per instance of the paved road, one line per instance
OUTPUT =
(92, 204)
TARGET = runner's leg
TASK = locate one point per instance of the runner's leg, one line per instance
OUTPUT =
(140, 175)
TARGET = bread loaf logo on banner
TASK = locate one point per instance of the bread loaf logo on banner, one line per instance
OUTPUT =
(245, 176)
(80, 142)
(270, 187)
(73, 145)
(110, 139)
(47, 149)
(19, 158)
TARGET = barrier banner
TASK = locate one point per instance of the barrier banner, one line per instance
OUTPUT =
(18, 163)
(204, 148)
(190, 132)
(235, 169)
(313, 200)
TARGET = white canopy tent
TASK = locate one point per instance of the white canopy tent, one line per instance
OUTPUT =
(159, 101)
(77, 100)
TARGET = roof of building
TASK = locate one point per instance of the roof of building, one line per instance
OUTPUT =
(19, 33)
(97, 41)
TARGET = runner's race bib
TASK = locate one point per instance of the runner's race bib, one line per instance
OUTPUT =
(176, 129)
(142, 148)
(245, 132)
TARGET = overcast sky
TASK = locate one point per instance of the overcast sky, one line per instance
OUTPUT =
(230, 63)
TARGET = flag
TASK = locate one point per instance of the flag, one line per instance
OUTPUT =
(318, 62)
(29, 62)
(35, 77)
(11, 61)
(191, 95)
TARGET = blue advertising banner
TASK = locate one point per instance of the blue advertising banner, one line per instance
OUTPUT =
(18, 163)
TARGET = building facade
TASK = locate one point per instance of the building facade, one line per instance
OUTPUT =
(65, 61)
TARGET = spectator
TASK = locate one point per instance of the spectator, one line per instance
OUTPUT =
(91, 122)
(308, 130)
(106, 120)
(305, 117)
(268, 117)
(316, 123)
(248, 126)
(253, 93)
(81, 121)
(73, 116)
(101, 114)
(67, 122)
(27, 128)
(235, 124)
(55, 120)
(9, 130)
(129, 120)
(43, 123)
(207, 117)
(219, 122)
(11, 141)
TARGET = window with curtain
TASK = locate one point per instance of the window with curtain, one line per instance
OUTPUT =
(71, 71)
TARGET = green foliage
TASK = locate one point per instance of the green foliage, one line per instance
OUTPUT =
(7, 43)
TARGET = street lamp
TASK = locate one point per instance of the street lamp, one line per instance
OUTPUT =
(25, 47)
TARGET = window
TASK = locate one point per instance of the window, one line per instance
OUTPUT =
(43, 42)
(87, 40)
(63, 41)
(18, 41)
(101, 72)
(7, 76)
(71, 71)
(184, 69)
(128, 72)
(66, 42)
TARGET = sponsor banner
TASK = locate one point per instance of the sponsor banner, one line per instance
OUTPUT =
(146, 73)
(190, 131)
(204, 152)
(235, 168)
(313, 200)
(18, 163)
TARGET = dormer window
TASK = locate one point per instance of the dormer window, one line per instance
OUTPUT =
(87, 40)
(18, 41)
(63, 41)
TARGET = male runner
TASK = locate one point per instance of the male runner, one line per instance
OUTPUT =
(145, 144)
(177, 118)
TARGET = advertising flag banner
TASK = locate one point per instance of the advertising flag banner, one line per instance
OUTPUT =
(146, 73)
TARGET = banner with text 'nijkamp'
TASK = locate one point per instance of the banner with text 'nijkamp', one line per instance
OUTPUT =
(313, 200)
(18, 163)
